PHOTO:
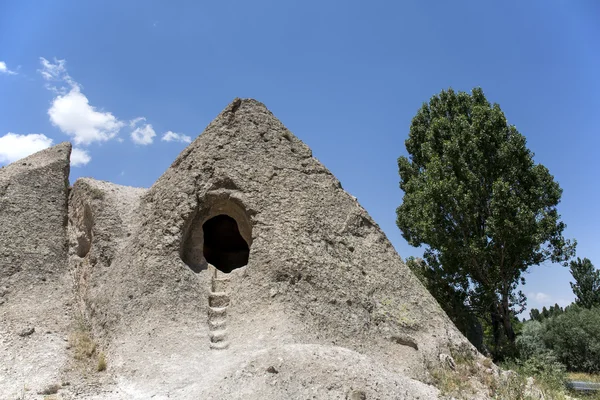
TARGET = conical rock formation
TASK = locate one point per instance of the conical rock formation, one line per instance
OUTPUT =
(247, 272)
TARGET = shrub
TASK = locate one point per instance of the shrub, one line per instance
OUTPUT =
(530, 342)
(83, 344)
(548, 375)
(575, 338)
(101, 362)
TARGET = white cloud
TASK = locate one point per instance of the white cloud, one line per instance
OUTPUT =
(57, 73)
(540, 298)
(79, 157)
(73, 115)
(143, 135)
(4, 69)
(54, 72)
(176, 137)
(134, 122)
(71, 111)
(14, 147)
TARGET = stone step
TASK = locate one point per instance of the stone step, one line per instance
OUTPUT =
(218, 299)
(216, 324)
(217, 313)
(220, 285)
(218, 336)
(219, 345)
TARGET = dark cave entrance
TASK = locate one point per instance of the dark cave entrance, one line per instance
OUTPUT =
(224, 246)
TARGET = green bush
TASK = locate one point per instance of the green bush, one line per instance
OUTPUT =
(548, 373)
(574, 337)
(547, 369)
(530, 342)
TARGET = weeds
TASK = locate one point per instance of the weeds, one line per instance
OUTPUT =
(463, 378)
(84, 346)
(544, 373)
(101, 362)
(468, 377)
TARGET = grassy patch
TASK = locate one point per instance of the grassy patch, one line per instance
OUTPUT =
(85, 348)
(471, 376)
(583, 376)
(464, 377)
(83, 345)
(548, 378)
(101, 362)
(454, 383)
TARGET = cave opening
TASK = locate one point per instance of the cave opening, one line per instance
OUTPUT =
(224, 247)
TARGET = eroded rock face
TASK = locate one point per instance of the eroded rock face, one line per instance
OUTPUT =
(244, 272)
(101, 218)
(319, 271)
(33, 215)
(35, 286)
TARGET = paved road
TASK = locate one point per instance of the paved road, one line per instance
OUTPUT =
(584, 386)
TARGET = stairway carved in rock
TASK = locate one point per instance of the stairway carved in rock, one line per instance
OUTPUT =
(218, 302)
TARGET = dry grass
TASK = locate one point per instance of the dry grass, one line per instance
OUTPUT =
(101, 362)
(582, 376)
(477, 378)
(469, 379)
(83, 344)
(84, 348)
(452, 383)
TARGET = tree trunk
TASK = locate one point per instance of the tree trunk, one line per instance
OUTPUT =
(506, 320)
(496, 324)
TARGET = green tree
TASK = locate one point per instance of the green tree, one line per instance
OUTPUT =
(587, 283)
(545, 313)
(574, 336)
(475, 197)
(535, 315)
(530, 342)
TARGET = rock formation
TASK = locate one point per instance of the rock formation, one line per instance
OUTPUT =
(35, 283)
(244, 272)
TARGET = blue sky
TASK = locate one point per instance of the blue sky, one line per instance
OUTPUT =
(115, 77)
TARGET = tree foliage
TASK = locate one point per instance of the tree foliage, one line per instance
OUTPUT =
(574, 337)
(587, 283)
(475, 197)
(530, 342)
(571, 336)
(553, 311)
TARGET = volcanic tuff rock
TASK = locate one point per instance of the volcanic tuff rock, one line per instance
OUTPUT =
(35, 284)
(244, 272)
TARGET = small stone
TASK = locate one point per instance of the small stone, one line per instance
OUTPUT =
(448, 361)
(27, 331)
(272, 370)
(356, 395)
